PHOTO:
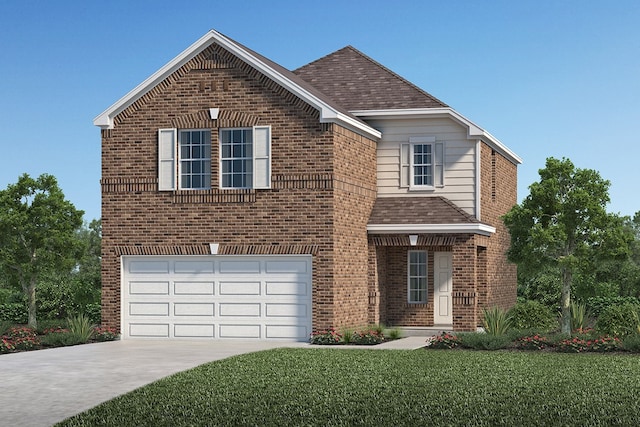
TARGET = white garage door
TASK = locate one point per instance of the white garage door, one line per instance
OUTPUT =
(249, 297)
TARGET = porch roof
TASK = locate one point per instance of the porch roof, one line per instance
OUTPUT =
(433, 214)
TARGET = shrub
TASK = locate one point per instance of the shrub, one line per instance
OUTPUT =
(6, 345)
(14, 312)
(443, 341)
(596, 305)
(394, 334)
(22, 338)
(80, 329)
(57, 338)
(103, 333)
(496, 321)
(532, 315)
(347, 335)
(326, 337)
(534, 342)
(631, 343)
(619, 320)
(367, 337)
(93, 311)
(580, 345)
(579, 318)
(480, 341)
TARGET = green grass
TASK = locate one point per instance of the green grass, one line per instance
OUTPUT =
(294, 387)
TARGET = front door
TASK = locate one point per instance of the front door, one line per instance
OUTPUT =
(442, 288)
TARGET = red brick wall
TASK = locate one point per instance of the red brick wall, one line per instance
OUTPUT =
(310, 201)
(499, 195)
(355, 193)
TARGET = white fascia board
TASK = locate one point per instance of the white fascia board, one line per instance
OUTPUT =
(105, 119)
(474, 228)
(473, 131)
(327, 113)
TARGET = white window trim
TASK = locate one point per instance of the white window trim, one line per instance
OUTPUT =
(407, 166)
(426, 277)
(256, 158)
(179, 159)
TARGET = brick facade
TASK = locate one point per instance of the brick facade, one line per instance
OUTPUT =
(316, 204)
(323, 191)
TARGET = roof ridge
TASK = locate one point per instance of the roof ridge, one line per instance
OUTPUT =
(394, 74)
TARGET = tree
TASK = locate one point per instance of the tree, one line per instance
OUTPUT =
(37, 233)
(89, 266)
(563, 221)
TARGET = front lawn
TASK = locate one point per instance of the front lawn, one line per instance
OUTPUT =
(320, 386)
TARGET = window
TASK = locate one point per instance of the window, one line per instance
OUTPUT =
(245, 157)
(422, 163)
(184, 158)
(195, 159)
(417, 277)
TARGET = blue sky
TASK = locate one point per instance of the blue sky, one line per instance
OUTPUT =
(547, 78)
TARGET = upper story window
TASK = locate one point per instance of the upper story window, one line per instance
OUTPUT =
(195, 159)
(184, 158)
(245, 155)
(422, 163)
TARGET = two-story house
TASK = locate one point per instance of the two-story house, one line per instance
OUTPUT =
(243, 200)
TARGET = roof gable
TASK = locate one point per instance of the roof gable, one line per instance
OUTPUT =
(357, 82)
(330, 111)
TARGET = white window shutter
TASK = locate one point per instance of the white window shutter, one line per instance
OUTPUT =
(262, 157)
(167, 159)
(438, 180)
(405, 165)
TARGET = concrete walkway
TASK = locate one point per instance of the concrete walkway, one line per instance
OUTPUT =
(41, 388)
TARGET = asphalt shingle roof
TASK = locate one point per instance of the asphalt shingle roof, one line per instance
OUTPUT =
(357, 82)
(418, 210)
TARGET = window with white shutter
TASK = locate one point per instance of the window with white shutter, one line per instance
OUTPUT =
(422, 163)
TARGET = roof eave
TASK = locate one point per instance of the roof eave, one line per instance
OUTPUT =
(473, 131)
(474, 228)
(327, 112)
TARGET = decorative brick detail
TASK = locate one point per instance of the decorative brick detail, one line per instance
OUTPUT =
(268, 250)
(128, 185)
(214, 195)
(432, 240)
(302, 181)
(162, 250)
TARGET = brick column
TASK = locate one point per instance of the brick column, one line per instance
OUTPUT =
(465, 298)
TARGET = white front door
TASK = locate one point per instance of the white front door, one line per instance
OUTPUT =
(442, 288)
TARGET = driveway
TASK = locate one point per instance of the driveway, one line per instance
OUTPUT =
(40, 388)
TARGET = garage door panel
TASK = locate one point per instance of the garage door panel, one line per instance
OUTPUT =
(151, 267)
(239, 288)
(149, 288)
(194, 267)
(286, 266)
(239, 310)
(149, 330)
(286, 288)
(217, 296)
(286, 310)
(239, 267)
(240, 331)
(193, 309)
(148, 309)
(194, 288)
(287, 332)
(194, 331)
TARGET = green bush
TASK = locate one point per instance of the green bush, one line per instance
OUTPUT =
(80, 328)
(480, 341)
(93, 311)
(495, 321)
(367, 337)
(14, 312)
(596, 305)
(619, 320)
(532, 315)
(579, 316)
(631, 343)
